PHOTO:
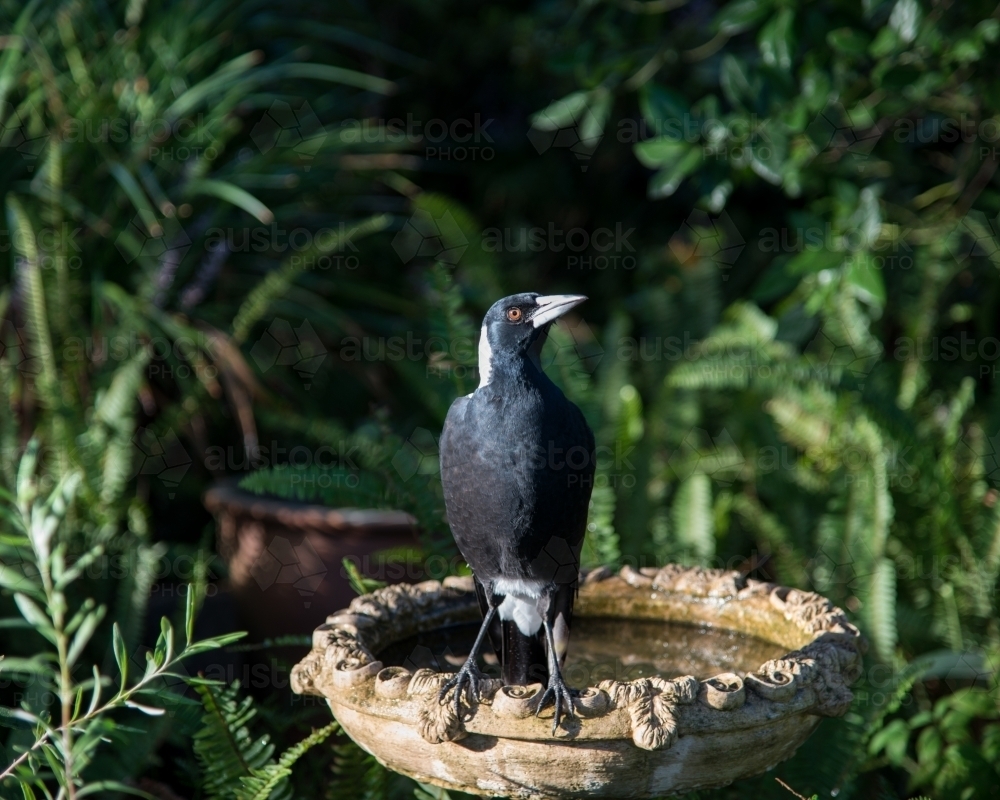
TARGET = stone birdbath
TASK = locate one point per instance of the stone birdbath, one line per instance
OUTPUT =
(639, 733)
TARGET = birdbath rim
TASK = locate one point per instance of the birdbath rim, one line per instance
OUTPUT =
(643, 736)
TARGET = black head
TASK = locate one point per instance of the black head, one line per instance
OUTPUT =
(516, 326)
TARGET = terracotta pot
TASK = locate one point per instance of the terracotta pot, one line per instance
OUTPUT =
(286, 557)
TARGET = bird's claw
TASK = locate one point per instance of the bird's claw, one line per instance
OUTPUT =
(561, 693)
(467, 678)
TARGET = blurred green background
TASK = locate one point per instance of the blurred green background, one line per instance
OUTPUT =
(234, 225)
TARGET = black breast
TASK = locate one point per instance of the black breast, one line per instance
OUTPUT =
(517, 467)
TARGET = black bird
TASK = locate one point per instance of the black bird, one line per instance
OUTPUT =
(517, 467)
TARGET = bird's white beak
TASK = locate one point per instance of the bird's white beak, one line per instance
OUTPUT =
(553, 306)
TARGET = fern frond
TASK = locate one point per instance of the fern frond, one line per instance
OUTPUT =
(357, 775)
(880, 609)
(330, 486)
(449, 323)
(40, 338)
(275, 284)
(790, 564)
(693, 520)
(601, 545)
(266, 783)
(224, 746)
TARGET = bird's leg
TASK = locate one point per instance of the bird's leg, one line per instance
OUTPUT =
(557, 688)
(470, 675)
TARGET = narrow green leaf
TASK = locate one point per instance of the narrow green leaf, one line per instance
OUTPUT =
(560, 114)
(15, 580)
(95, 696)
(240, 198)
(665, 110)
(740, 15)
(213, 643)
(226, 76)
(121, 654)
(665, 182)
(16, 718)
(164, 643)
(150, 710)
(27, 666)
(27, 791)
(113, 786)
(190, 607)
(82, 636)
(31, 611)
(138, 198)
(661, 152)
(327, 72)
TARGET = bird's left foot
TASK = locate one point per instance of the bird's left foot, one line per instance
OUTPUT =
(563, 696)
(465, 680)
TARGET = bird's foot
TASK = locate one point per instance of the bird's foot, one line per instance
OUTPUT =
(465, 680)
(563, 696)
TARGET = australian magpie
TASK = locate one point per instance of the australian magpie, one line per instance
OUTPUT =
(517, 468)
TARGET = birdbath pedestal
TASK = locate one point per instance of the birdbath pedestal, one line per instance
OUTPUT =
(644, 737)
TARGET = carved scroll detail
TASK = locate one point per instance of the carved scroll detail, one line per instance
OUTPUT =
(813, 679)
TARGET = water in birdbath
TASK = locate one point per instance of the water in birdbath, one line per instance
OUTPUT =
(602, 649)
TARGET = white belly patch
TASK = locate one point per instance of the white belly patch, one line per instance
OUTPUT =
(520, 604)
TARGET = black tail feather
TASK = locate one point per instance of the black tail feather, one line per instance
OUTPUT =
(523, 657)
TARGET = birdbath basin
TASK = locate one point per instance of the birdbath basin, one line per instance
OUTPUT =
(689, 678)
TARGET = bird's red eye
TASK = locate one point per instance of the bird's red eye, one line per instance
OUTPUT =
(514, 314)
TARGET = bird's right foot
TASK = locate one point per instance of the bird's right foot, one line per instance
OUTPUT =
(563, 696)
(465, 680)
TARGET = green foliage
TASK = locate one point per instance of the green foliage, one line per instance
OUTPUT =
(59, 729)
(225, 747)
(357, 774)
(359, 583)
(235, 763)
(264, 782)
(333, 487)
(779, 380)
